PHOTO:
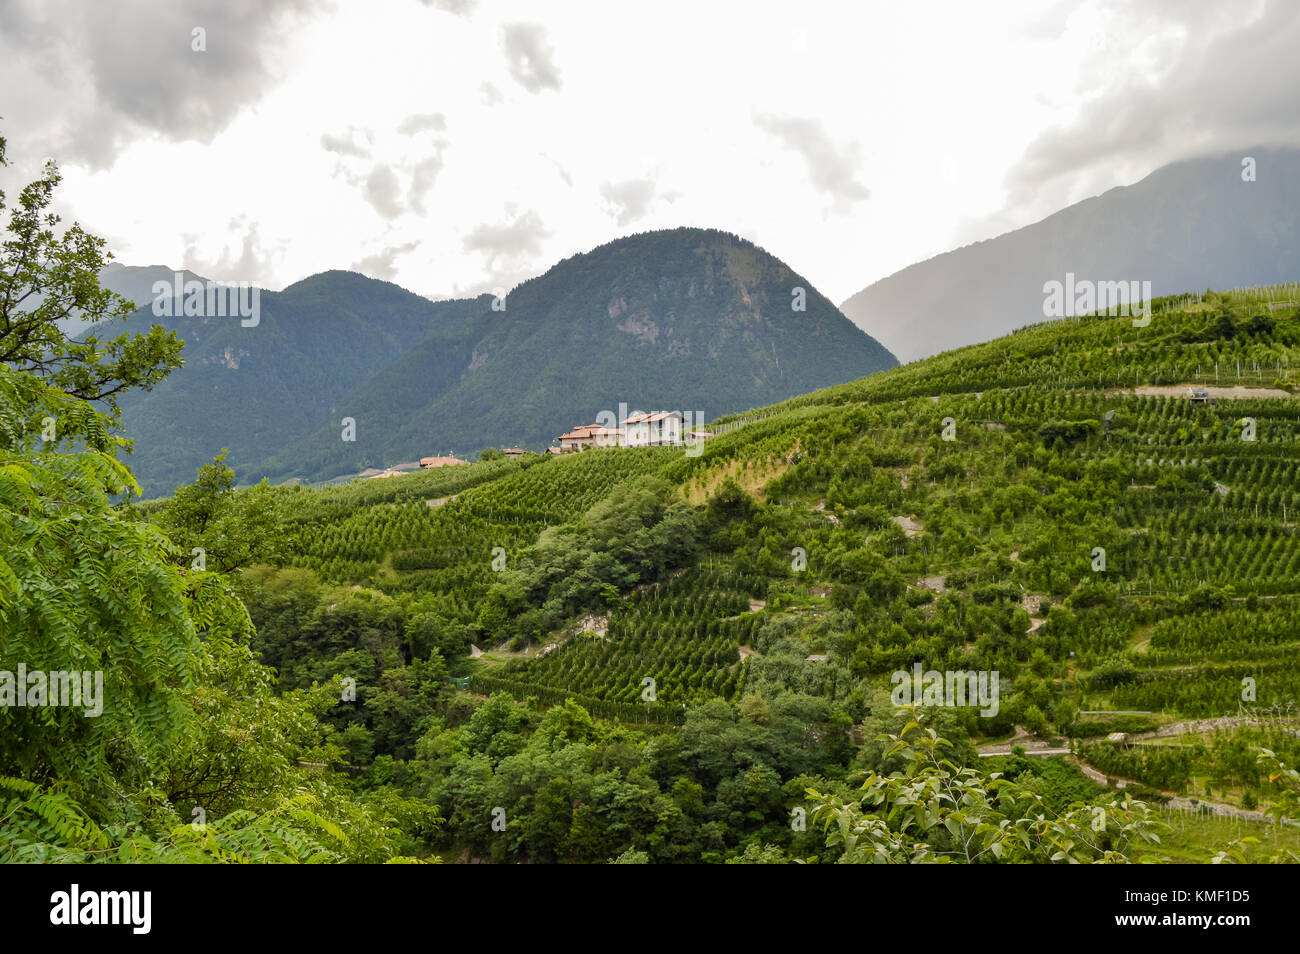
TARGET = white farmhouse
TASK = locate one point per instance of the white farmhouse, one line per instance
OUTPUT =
(652, 430)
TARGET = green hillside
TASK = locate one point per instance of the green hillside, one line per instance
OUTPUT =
(770, 586)
(1079, 540)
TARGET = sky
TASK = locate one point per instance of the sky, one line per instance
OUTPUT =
(462, 146)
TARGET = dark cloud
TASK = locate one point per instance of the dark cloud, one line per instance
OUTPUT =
(832, 169)
(96, 76)
(629, 200)
(383, 264)
(1231, 81)
(529, 57)
(422, 122)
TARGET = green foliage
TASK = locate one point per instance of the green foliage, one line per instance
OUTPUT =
(933, 811)
(589, 578)
(231, 530)
(1164, 767)
(86, 590)
(684, 635)
(977, 554)
(47, 277)
(130, 701)
(634, 536)
(48, 827)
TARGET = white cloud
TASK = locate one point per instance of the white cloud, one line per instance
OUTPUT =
(529, 56)
(383, 264)
(832, 168)
(422, 122)
(629, 200)
(354, 142)
(383, 191)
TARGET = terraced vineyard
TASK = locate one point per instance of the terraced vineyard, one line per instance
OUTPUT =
(447, 522)
(1049, 459)
(1053, 506)
(684, 636)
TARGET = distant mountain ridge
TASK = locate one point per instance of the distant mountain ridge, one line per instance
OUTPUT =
(133, 282)
(255, 389)
(1186, 226)
(685, 319)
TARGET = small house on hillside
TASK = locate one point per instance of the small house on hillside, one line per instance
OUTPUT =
(432, 463)
(590, 435)
(513, 451)
(653, 430)
(578, 439)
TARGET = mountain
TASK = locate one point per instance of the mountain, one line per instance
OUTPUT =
(134, 282)
(687, 319)
(684, 319)
(1184, 227)
(253, 388)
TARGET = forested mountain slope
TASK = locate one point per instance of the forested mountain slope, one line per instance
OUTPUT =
(253, 388)
(692, 320)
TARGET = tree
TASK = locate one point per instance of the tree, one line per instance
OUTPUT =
(161, 705)
(46, 277)
(729, 502)
(174, 711)
(935, 812)
(232, 529)
(83, 589)
(631, 857)
(756, 855)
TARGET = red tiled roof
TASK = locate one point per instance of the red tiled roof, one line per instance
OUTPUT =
(644, 418)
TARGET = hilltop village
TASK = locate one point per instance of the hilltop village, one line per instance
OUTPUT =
(640, 429)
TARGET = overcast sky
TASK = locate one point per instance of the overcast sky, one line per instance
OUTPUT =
(455, 146)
